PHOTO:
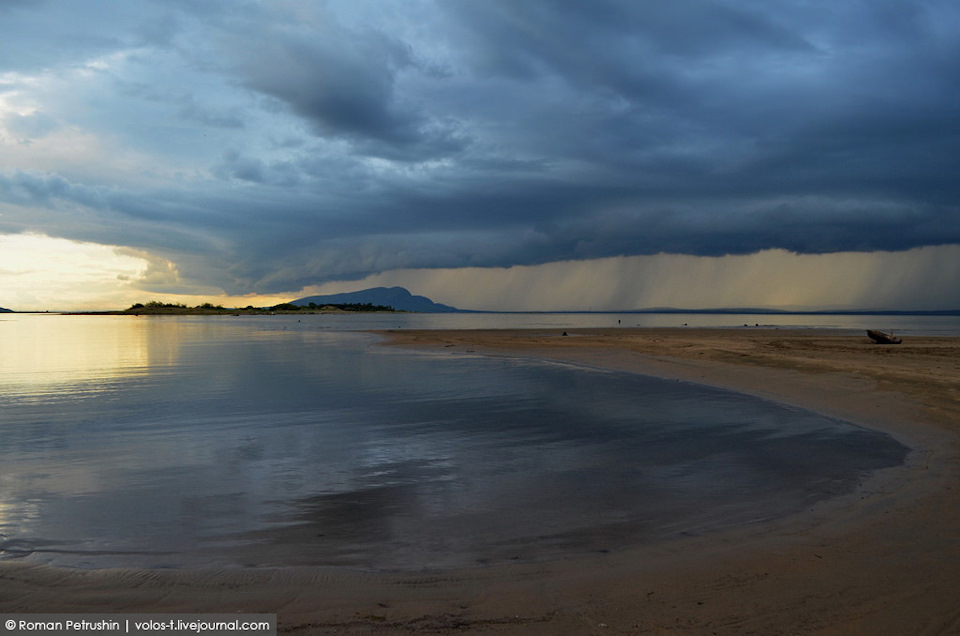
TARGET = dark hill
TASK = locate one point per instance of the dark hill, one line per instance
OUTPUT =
(2, 310)
(396, 297)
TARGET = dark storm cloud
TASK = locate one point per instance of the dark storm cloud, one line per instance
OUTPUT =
(302, 142)
(342, 82)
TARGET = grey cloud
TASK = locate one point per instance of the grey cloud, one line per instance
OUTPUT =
(45, 34)
(344, 83)
(346, 138)
(624, 45)
(28, 127)
(243, 168)
(27, 187)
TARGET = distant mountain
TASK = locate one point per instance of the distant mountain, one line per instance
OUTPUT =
(396, 297)
(2, 310)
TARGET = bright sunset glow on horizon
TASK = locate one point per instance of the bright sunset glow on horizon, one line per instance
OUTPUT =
(40, 273)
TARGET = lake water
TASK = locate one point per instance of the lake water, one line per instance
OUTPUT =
(276, 441)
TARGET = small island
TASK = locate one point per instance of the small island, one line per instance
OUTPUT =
(376, 299)
(154, 308)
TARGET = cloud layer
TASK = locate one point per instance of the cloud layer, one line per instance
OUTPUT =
(920, 279)
(266, 146)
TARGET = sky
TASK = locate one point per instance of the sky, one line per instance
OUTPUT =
(544, 154)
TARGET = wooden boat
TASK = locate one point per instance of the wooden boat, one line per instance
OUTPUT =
(883, 338)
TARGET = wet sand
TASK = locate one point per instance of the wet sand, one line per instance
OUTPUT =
(884, 560)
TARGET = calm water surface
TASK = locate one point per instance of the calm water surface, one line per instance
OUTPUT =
(209, 441)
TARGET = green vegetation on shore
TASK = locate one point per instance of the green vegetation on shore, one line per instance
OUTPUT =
(158, 308)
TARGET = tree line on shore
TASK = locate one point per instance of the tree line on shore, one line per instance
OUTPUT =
(156, 307)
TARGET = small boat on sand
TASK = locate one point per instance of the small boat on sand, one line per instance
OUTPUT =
(883, 338)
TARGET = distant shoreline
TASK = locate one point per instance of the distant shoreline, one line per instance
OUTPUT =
(195, 311)
(207, 312)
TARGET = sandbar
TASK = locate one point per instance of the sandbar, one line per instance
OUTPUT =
(882, 560)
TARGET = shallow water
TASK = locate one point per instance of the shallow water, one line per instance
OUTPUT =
(196, 441)
(905, 325)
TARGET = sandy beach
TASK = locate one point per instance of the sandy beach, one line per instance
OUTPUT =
(883, 560)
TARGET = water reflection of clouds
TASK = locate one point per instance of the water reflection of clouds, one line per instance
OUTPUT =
(223, 430)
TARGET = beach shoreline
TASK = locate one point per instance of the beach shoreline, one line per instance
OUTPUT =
(885, 559)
